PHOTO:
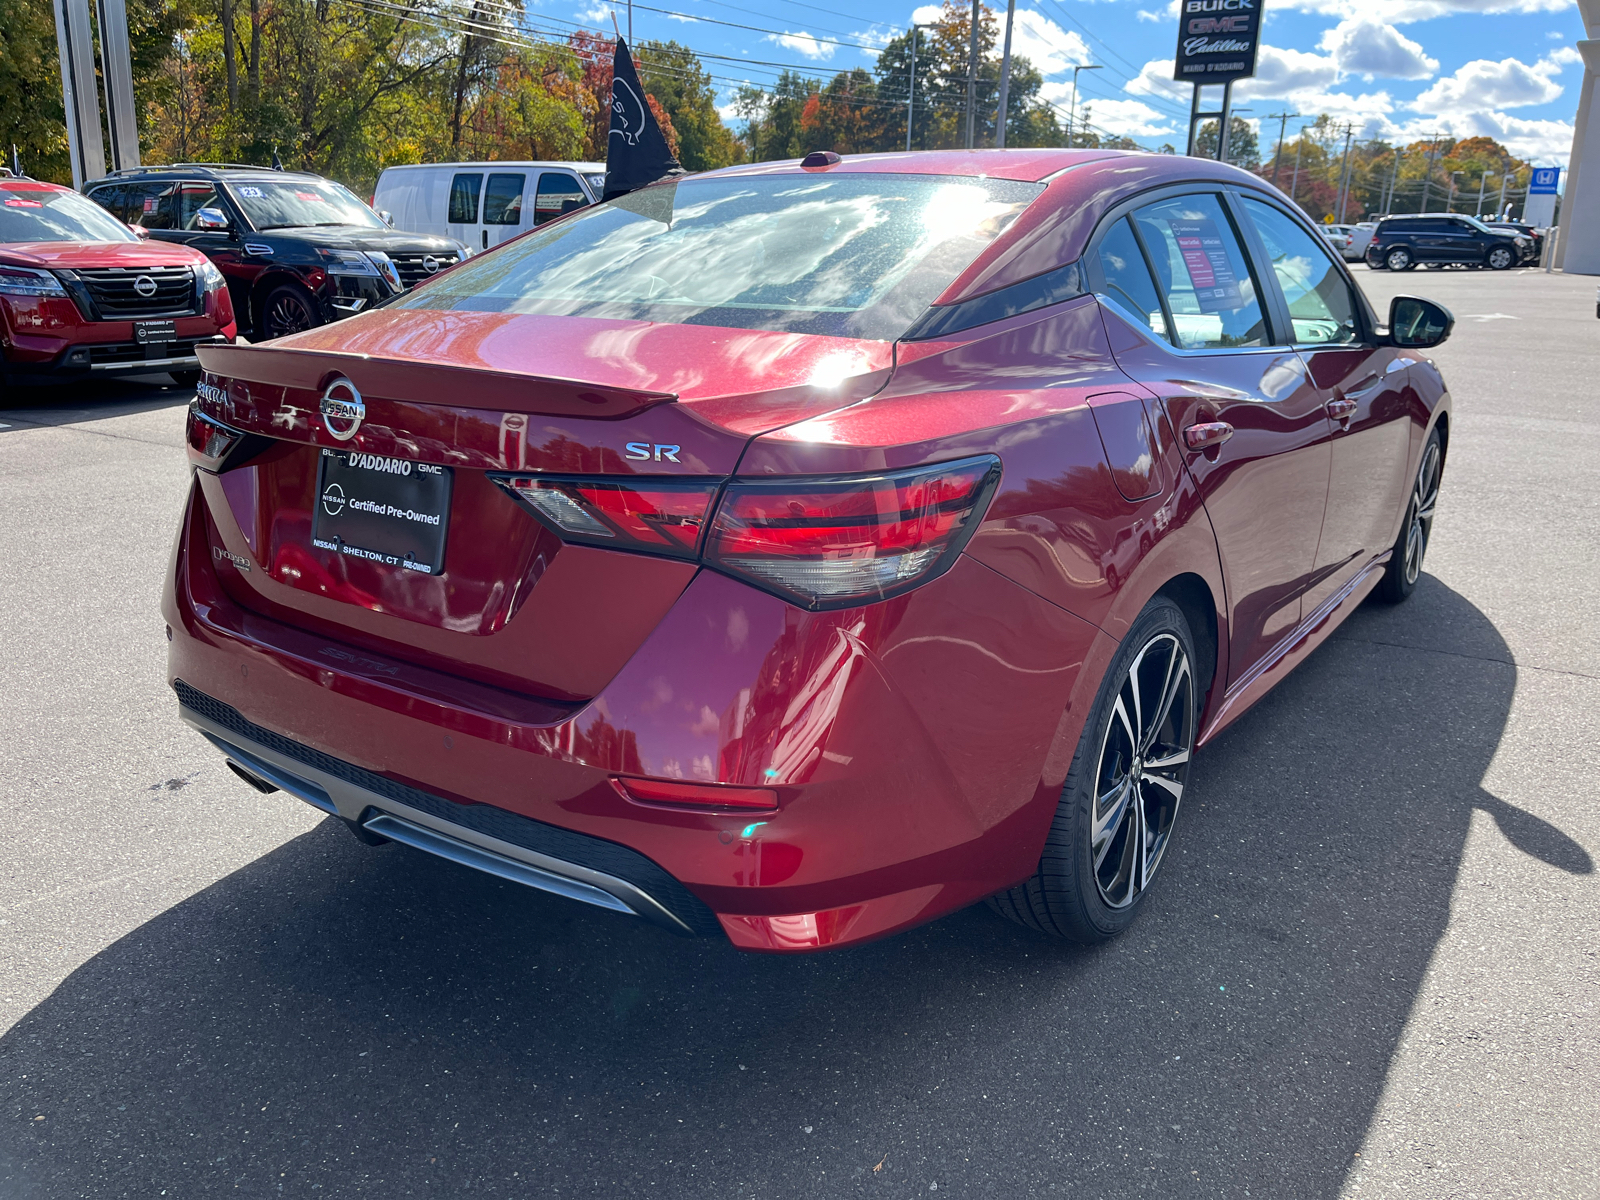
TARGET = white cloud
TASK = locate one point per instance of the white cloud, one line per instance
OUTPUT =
(1555, 35)
(877, 37)
(597, 14)
(1045, 44)
(928, 14)
(1368, 48)
(1126, 118)
(1541, 142)
(1401, 12)
(802, 43)
(1167, 15)
(1482, 85)
(1564, 56)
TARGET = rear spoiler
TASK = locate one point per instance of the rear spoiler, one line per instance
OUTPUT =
(427, 382)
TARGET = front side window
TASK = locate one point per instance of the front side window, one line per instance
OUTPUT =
(464, 189)
(1128, 279)
(852, 255)
(302, 203)
(502, 200)
(30, 214)
(557, 194)
(1202, 270)
(1321, 308)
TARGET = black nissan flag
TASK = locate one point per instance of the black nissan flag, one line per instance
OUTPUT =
(636, 152)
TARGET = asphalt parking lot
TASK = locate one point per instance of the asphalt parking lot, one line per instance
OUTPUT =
(1372, 968)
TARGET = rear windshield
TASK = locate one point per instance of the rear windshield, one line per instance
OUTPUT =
(48, 216)
(294, 204)
(848, 255)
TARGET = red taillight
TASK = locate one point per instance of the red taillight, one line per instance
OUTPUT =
(660, 516)
(675, 794)
(830, 543)
(209, 441)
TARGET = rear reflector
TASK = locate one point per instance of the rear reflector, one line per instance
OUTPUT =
(832, 543)
(677, 794)
(660, 516)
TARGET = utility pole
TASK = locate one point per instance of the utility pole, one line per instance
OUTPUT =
(1450, 205)
(1005, 79)
(1394, 180)
(1483, 179)
(1299, 145)
(1427, 176)
(1505, 177)
(972, 77)
(911, 89)
(1072, 111)
(1283, 119)
(1344, 171)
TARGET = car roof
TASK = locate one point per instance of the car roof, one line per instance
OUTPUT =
(17, 183)
(213, 171)
(589, 167)
(1028, 166)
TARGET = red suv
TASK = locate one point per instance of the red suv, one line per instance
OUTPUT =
(82, 295)
(795, 553)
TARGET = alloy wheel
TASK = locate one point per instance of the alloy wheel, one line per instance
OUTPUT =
(287, 314)
(1424, 498)
(1143, 765)
(1499, 258)
(1398, 260)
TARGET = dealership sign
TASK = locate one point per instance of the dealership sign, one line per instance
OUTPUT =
(1544, 181)
(1217, 40)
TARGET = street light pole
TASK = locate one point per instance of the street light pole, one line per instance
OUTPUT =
(1294, 184)
(1484, 179)
(1072, 112)
(911, 90)
(1450, 205)
(1005, 79)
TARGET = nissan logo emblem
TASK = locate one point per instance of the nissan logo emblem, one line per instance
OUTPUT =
(341, 405)
(430, 264)
(145, 286)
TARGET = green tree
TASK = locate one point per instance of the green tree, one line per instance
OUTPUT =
(675, 77)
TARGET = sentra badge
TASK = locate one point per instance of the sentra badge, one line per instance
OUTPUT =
(342, 410)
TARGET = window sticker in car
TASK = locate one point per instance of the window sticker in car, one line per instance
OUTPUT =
(253, 193)
(24, 204)
(307, 196)
(1205, 257)
(149, 204)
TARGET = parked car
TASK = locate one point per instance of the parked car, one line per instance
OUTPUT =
(797, 552)
(1441, 239)
(296, 249)
(1337, 237)
(1533, 252)
(82, 296)
(482, 204)
(1358, 238)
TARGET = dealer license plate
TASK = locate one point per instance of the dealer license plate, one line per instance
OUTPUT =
(386, 510)
(146, 332)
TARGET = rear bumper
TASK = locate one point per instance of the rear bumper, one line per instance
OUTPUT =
(917, 748)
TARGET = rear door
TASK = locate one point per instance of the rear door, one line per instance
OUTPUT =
(1216, 361)
(1364, 388)
(462, 209)
(503, 194)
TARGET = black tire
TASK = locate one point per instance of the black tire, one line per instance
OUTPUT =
(1405, 563)
(185, 379)
(1501, 258)
(1398, 258)
(286, 309)
(1127, 783)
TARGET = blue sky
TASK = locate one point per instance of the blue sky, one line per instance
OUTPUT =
(1404, 69)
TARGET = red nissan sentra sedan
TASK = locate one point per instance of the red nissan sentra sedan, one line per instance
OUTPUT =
(81, 296)
(795, 553)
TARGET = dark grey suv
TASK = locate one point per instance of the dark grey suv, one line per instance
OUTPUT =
(1439, 239)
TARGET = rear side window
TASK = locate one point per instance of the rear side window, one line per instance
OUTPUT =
(1321, 308)
(1127, 278)
(502, 200)
(114, 200)
(464, 191)
(847, 255)
(1202, 270)
(557, 194)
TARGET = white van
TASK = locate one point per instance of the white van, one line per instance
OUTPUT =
(483, 204)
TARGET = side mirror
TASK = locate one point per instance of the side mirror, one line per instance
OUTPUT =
(140, 231)
(1417, 323)
(211, 218)
(387, 217)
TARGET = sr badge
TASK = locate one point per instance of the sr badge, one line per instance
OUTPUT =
(342, 410)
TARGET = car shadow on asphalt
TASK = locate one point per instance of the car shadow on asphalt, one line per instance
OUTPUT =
(336, 1020)
(96, 400)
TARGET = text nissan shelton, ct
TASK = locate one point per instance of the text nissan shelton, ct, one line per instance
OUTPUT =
(796, 553)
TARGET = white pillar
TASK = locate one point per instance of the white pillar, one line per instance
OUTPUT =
(1578, 251)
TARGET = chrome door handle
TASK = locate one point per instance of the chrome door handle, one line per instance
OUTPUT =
(1342, 408)
(1207, 435)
